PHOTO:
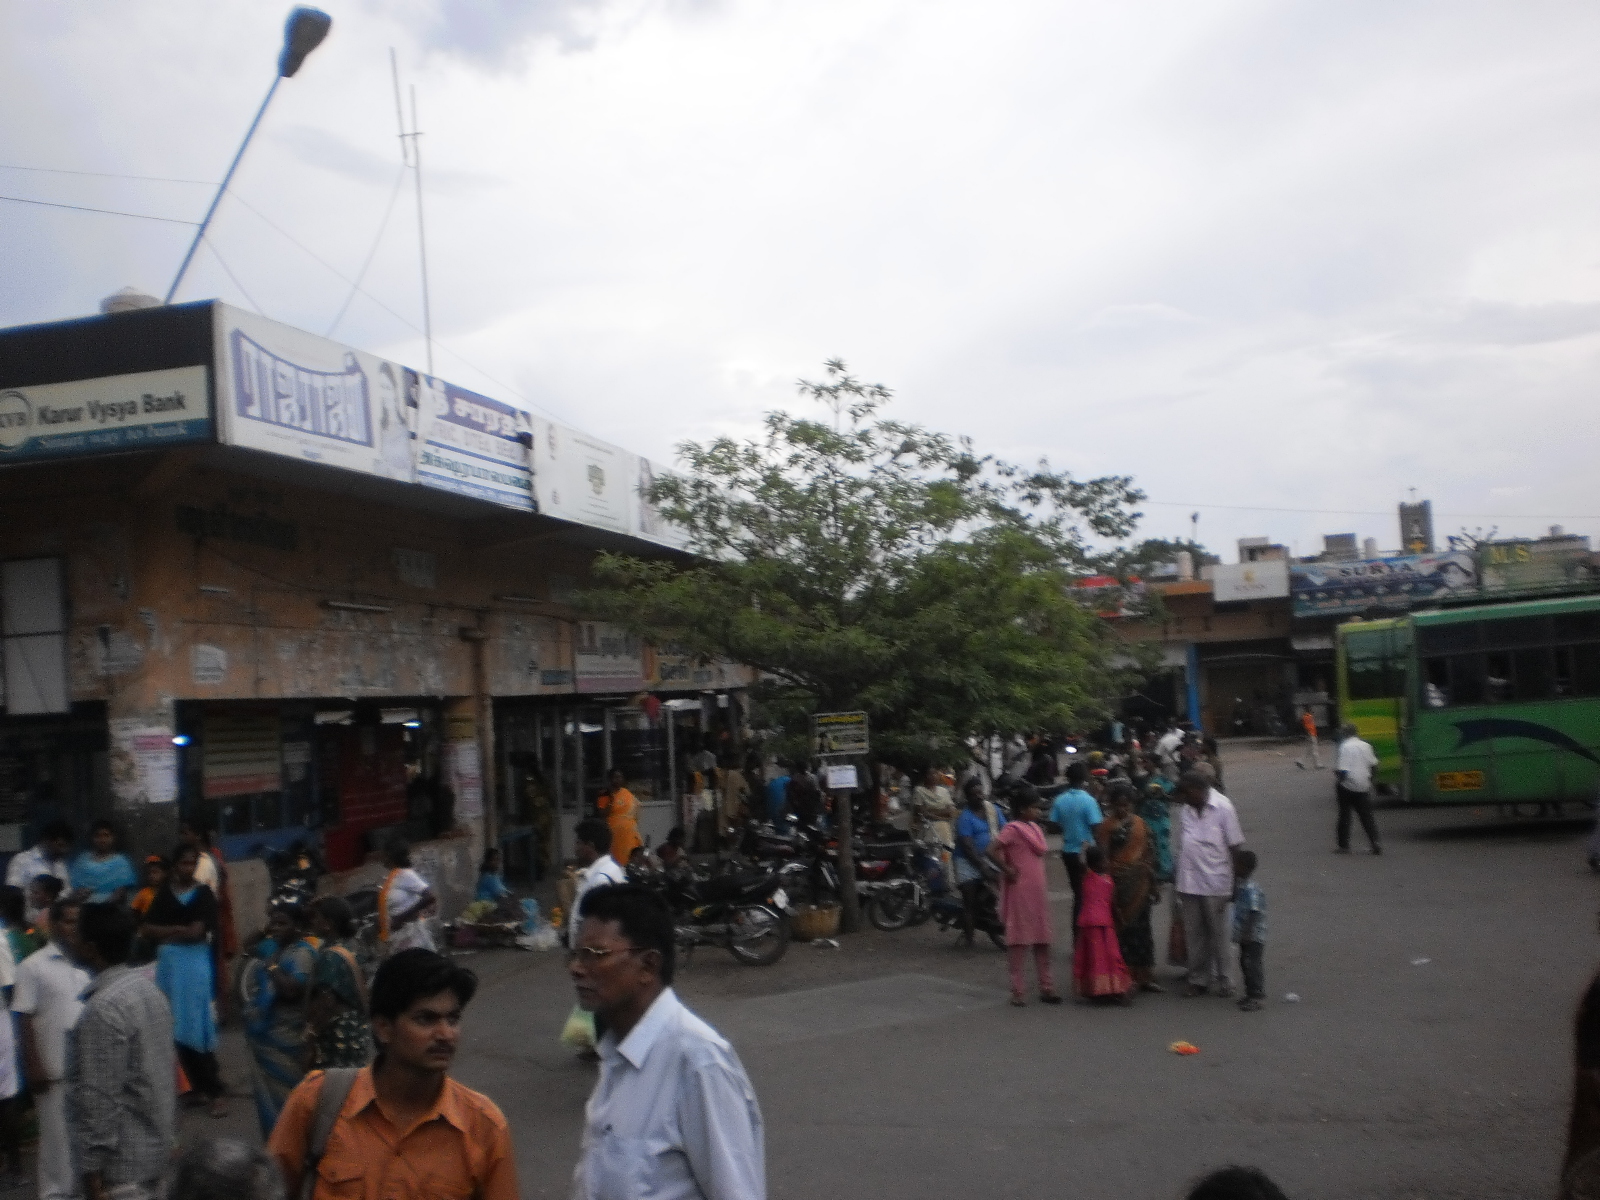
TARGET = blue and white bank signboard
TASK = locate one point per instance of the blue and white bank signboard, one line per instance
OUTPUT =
(473, 446)
(141, 411)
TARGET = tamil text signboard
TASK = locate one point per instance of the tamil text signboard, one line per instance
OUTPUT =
(1547, 565)
(839, 733)
(289, 392)
(607, 658)
(1381, 583)
(472, 445)
(144, 410)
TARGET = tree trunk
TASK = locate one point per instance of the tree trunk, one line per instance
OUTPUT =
(849, 907)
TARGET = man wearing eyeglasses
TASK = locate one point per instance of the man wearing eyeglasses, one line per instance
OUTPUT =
(673, 1115)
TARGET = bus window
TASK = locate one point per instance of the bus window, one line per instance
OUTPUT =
(1586, 670)
(1561, 682)
(1520, 631)
(1534, 679)
(1436, 688)
(1577, 627)
(1467, 684)
(1498, 679)
(1372, 671)
(1444, 639)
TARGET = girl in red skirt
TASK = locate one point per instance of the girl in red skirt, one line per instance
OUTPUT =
(1097, 966)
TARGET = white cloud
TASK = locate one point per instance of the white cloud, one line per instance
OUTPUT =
(1295, 256)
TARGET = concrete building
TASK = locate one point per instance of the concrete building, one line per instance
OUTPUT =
(270, 582)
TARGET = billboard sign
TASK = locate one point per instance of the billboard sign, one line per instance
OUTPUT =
(580, 478)
(285, 391)
(607, 658)
(472, 445)
(839, 732)
(1547, 564)
(1383, 583)
(1265, 580)
(139, 411)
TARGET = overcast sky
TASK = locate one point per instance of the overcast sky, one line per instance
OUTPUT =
(1274, 256)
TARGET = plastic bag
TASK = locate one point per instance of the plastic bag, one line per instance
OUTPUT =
(578, 1032)
(545, 937)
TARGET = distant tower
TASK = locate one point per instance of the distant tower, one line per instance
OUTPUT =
(1416, 527)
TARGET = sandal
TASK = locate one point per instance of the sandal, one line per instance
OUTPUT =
(1017, 1001)
(1049, 998)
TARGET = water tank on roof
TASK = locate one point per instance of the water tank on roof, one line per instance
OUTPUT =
(127, 300)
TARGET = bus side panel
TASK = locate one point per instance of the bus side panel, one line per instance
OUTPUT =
(1507, 753)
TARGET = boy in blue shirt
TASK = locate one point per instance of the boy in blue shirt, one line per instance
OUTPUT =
(1077, 813)
(1250, 930)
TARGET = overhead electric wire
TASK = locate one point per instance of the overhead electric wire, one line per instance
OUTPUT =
(110, 212)
(211, 246)
(1367, 512)
(383, 225)
(341, 275)
(105, 174)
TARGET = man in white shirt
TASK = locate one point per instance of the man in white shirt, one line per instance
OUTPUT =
(673, 1115)
(1166, 750)
(48, 857)
(596, 867)
(48, 998)
(1210, 838)
(1353, 769)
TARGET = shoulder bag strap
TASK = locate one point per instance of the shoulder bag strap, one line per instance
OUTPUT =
(355, 970)
(336, 1085)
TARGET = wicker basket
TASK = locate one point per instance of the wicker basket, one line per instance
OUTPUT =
(811, 922)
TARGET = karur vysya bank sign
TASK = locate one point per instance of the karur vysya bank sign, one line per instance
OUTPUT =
(142, 410)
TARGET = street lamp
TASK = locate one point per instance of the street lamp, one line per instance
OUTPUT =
(302, 33)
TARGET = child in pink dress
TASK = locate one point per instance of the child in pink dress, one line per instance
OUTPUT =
(1097, 966)
(1019, 850)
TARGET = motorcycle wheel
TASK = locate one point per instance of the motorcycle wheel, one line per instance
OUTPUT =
(767, 939)
(893, 909)
(924, 907)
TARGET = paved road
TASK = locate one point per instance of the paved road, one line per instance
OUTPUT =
(893, 1067)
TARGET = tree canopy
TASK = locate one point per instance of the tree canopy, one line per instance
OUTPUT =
(862, 563)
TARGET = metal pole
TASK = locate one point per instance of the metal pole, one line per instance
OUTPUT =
(422, 245)
(217, 199)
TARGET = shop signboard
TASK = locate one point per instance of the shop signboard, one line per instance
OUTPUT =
(472, 445)
(839, 732)
(285, 391)
(1265, 580)
(1545, 565)
(583, 479)
(607, 658)
(143, 410)
(1381, 583)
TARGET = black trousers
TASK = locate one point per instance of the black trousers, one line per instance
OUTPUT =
(1075, 869)
(1359, 803)
(969, 906)
(205, 1076)
(1254, 969)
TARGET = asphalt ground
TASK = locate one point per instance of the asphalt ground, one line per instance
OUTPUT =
(1427, 1055)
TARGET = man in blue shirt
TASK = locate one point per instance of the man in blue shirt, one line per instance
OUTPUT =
(777, 789)
(1077, 813)
(975, 828)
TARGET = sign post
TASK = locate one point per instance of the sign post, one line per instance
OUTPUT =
(837, 737)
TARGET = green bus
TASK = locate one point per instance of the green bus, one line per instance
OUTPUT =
(1489, 704)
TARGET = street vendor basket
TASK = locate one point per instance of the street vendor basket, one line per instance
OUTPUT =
(813, 921)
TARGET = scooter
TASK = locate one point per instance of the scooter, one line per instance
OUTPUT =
(745, 913)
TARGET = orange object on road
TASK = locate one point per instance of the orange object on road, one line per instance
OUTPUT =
(1184, 1048)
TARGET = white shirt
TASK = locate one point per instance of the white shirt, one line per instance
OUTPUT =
(31, 863)
(602, 871)
(1356, 760)
(1167, 745)
(1205, 866)
(672, 1117)
(50, 989)
(401, 896)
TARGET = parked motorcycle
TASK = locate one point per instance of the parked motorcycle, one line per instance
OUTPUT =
(294, 873)
(948, 910)
(744, 912)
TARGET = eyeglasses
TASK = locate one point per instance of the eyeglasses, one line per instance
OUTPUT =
(595, 955)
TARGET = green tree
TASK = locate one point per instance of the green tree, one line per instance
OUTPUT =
(863, 563)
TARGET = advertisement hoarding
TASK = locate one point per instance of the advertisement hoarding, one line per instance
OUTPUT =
(285, 391)
(143, 410)
(1550, 563)
(1382, 583)
(1264, 580)
(583, 479)
(472, 445)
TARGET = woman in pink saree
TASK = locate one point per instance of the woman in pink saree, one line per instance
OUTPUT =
(1019, 850)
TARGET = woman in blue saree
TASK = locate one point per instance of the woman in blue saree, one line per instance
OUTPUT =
(273, 988)
(181, 921)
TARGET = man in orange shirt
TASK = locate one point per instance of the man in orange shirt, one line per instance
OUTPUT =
(406, 1130)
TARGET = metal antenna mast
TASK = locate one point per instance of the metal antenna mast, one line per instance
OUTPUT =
(411, 156)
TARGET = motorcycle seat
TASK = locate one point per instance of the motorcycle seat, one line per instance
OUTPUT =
(726, 887)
